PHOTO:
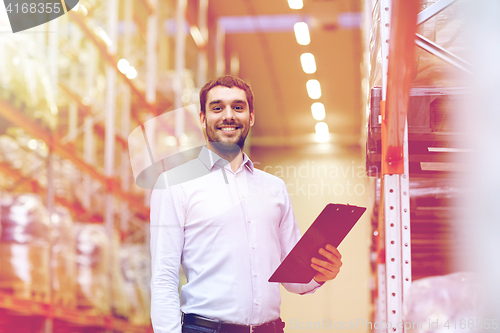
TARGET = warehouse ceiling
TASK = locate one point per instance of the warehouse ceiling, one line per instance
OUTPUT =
(269, 59)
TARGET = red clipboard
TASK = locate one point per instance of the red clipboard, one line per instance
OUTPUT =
(330, 227)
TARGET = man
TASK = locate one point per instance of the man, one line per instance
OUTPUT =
(229, 228)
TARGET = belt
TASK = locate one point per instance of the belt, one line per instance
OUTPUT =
(275, 326)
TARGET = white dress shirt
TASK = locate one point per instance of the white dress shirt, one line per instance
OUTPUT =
(230, 231)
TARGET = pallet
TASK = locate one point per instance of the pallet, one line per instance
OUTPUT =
(93, 311)
(64, 299)
(24, 290)
(435, 142)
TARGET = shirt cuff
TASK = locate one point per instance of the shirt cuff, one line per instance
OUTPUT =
(312, 286)
(318, 284)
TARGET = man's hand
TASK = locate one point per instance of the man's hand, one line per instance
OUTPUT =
(327, 269)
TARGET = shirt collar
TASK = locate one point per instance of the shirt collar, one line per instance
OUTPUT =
(209, 159)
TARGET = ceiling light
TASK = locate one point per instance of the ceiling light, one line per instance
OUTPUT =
(308, 63)
(32, 144)
(123, 65)
(313, 89)
(302, 33)
(318, 111)
(83, 9)
(131, 73)
(103, 35)
(197, 36)
(55, 218)
(295, 4)
(322, 132)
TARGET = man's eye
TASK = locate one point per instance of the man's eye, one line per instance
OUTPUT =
(217, 108)
(238, 108)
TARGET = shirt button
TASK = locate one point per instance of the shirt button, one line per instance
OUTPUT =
(254, 274)
(249, 221)
(256, 302)
(253, 246)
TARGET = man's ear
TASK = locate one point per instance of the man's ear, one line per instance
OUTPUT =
(202, 119)
(252, 118)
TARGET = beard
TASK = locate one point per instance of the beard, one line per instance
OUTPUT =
(226, 148)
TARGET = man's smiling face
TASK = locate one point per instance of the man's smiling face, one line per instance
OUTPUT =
(227, 118)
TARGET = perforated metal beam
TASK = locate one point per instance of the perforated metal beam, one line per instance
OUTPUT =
(398, 25)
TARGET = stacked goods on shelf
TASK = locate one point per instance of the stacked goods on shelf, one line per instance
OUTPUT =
(104, 287)
(66, 179)
(22, 161)
(135, 265)
(433, 144)
(92, 258)
(8, 153)
(25, 247)
(25, 81)
(63, 263)
(444, 29)
(439, 303)
(28, 157)
(120, 302)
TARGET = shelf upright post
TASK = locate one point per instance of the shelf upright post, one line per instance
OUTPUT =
(381, 305)
(180, 54)
(398, 25)
(234, 64)
(220, 42)
(52, 57)
(73, 106)
(110, 128)
(151, 54)
(110, 116)
(88, 122)
(202, 54)
(126, 115)
(88, 156)
(151, 79)
(73, 82)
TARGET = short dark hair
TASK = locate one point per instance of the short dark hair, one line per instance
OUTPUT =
(227, 81)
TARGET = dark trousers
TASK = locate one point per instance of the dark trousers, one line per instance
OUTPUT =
(187, 328)
(192, 328)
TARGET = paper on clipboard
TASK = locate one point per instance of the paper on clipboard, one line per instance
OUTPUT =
(330, 227)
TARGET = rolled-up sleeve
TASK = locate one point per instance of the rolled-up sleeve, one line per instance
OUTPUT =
(166, 243)
(289, 236)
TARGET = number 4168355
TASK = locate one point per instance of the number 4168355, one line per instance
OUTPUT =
(32, 8)
(472, 324)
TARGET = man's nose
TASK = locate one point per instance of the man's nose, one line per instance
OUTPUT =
(228, 113)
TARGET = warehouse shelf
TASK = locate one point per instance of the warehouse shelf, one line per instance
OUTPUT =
(36, 187)
(111, 184)
(86, 110)
(112, 60)
(413, 148)
(72, 316)
(93, 107)
(432, 136)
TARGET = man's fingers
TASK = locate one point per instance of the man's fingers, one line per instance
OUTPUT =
(331, 257)
(324, 274)
(333, 250)
(329, 269)
(325, 264)
(321, 269)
